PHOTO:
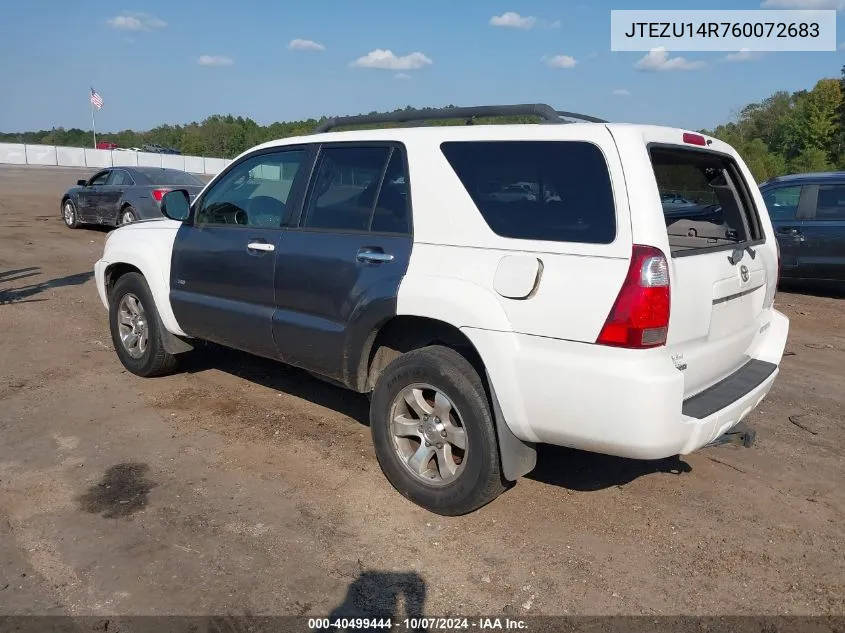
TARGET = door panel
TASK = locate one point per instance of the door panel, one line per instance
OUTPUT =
(783, 204)
(823, 245)
(111, 194)
(221, 289)
(88, 199)
(223, 265)
(338, 276)
(331, 288)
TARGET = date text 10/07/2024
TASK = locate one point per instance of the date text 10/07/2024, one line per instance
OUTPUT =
(416, 624)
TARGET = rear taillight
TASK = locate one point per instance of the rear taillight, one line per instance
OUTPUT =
(158, 194)
(640, 316)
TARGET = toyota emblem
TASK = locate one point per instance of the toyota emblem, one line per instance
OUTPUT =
(743, 272)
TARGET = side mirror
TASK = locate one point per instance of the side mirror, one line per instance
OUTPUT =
(176, 205)
(81, 183)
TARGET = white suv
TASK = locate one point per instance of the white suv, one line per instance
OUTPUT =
(490, 286)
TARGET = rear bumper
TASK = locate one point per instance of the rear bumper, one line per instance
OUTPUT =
(615, 401)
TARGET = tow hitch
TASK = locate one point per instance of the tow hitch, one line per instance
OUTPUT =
(741, 435)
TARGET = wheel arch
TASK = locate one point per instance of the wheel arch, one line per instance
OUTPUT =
(173, 344)
(404, 333)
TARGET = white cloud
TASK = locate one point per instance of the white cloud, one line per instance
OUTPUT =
(743, 55)
(386, 60)
(512, 20)
(305, 45)
(621, 92)
(658, 60)
(131, 21)
(838, 5)
(215, 60)
(562, 61)
(402, 76)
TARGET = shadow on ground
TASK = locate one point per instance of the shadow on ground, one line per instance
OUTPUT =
(279, 377)
(558, 466)
(373, 598)
(23, 293)
(122, 491)
(379, 594)
(584, 471)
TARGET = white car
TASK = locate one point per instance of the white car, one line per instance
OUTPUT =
(479, 326)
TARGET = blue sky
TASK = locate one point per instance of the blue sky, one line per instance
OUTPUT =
(177, 61)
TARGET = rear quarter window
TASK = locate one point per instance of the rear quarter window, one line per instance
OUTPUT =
(538, 190)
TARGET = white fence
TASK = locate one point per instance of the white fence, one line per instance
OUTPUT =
(20, 154)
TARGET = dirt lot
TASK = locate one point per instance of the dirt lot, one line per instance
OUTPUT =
(242, 486)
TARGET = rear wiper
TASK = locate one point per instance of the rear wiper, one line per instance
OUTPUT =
(736, 256)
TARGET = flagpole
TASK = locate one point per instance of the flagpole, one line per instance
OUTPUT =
(93, 122)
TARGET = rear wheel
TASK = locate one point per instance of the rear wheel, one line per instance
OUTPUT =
(136, 328)
(127, 215)
(69, 214)
(433, 431)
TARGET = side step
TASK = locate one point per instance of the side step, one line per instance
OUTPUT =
(741, 435)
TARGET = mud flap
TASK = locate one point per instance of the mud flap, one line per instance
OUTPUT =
(518, 458)
(173, 344)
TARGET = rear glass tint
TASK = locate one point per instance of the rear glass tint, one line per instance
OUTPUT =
(538, 190)
(705, 201)
(174, 178)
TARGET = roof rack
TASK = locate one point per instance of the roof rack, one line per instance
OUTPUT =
(545, 112)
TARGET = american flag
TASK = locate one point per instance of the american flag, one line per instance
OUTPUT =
(96, 99)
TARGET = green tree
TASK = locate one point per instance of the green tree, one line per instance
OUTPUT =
(809, 160)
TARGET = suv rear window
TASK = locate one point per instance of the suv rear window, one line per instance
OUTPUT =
(538, 190)
(705, 201)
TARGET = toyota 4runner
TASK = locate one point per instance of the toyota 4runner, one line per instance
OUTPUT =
(490, 287)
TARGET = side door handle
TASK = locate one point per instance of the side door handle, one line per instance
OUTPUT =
(373, 256)
(792, 232)
(265, 247)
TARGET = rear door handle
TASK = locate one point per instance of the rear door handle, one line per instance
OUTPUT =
(373, 256)
(261, 246)
(791, 231)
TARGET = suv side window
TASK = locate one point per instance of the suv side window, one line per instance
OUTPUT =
(254, 192)
(357, 188)
(782, 202)
(391, 214)
(831, 202)
(538, 190)
(99, 179)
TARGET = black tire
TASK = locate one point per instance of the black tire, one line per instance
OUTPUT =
(69, 214)
(155, 360)
(129, 212)
(480, 481)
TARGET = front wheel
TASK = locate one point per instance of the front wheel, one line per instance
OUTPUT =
(69, 214)
(136, 328)
(434, 433)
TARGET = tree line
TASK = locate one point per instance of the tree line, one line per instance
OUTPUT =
(785, 133)
(791, 132)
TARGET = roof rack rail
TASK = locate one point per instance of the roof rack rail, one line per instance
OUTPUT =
(541, 110)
